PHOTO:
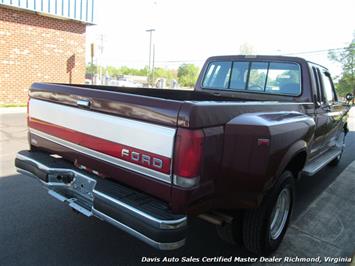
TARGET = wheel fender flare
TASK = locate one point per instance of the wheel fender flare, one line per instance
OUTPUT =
(293, 150)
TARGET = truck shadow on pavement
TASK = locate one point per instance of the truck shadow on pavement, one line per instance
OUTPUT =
(36, 229)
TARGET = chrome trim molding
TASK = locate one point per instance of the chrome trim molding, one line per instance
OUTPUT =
(162, 224)
(158, 245)
(107, 158)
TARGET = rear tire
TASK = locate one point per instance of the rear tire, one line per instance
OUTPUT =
(265, 226)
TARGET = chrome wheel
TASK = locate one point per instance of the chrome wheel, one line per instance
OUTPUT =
(280, 213)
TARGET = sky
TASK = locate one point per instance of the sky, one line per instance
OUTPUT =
(189, 31)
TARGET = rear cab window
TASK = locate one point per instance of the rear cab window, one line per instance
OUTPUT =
(281, 78)
(217, 75)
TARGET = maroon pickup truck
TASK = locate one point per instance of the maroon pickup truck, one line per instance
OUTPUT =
(228, 152)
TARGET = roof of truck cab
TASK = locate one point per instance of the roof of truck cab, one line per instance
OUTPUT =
(313, 63)
(262, 57)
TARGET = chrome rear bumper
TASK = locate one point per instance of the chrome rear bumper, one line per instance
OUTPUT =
(138, 214)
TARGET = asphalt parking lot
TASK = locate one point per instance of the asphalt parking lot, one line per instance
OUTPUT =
(36, 229)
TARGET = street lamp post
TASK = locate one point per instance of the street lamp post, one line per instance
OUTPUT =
(150, 50)
(153, 64)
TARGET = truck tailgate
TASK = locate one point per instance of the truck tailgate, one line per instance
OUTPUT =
(104, 142)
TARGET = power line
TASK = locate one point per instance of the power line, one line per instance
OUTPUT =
(201, 61)
(293, 53)
(317, 51)
(179, 61)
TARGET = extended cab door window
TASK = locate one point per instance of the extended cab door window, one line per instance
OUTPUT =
(328, 89)
(318, 91)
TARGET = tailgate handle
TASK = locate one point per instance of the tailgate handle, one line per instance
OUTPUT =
(83, 103)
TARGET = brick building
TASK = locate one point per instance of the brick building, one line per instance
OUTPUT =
(40, 46)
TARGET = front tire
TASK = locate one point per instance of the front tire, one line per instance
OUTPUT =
(265, 226)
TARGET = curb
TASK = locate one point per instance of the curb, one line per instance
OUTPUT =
(325, 228)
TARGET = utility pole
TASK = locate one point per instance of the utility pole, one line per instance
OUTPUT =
(101, 49)
(150, 51)
(92, 54)
(153, 64)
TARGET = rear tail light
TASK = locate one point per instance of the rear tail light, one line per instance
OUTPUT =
(187, 157)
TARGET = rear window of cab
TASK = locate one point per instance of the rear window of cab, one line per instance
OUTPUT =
(281, 78)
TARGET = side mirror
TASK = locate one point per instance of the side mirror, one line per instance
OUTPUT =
(349, 97)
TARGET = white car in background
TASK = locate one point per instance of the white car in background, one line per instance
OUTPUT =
(124, 82)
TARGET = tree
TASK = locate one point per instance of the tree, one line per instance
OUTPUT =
(345, 57)
(113, 71)
(91, 69)
(187, 75)
(257, 79)
(246, 49)
(168, 74)
(345, 85)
